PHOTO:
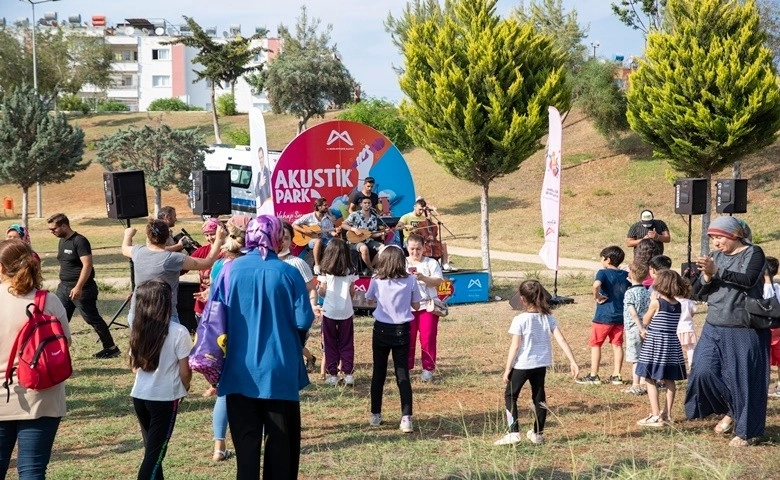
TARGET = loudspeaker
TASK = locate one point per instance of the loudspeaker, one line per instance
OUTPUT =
(125, 194)
(731, 196)
(211, 192)
(690, 196)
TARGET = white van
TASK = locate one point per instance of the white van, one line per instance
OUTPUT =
(241, 163)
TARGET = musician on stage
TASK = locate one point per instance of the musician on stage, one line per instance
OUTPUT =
(419, 221)
(320, 226)
(367, 192)
(364, 227)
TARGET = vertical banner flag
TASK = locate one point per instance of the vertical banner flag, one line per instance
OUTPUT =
(261, 177)
(551, 192)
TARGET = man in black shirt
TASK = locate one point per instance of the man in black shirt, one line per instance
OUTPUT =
(77, 286)
(366, 192)
(648, 227)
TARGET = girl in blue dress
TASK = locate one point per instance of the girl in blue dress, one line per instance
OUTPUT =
(661, 357)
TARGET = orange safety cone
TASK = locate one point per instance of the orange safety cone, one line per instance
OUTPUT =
(8, 204)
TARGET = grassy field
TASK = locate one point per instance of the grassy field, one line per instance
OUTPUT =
(591, 432)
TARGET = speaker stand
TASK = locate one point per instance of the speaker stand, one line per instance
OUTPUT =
(555, 300)
(127, 300)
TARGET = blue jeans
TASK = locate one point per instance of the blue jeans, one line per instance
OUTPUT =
(219, 420)
(35, 439)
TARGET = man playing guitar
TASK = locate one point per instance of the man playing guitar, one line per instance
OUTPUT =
(418, 221)
(364, 232)
(319, 227)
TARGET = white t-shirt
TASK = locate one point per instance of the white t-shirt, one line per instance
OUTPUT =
(165, 383)
(687, 309)
(430, 268)
(535, 341)
(338, 302)
(301, 266)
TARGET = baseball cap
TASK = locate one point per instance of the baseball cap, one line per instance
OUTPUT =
(646, 217)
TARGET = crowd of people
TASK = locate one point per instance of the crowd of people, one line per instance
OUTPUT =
(271, 298)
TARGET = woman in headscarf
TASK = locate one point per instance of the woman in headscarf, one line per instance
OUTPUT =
(267, 308)
(730, 371)
(23, 234)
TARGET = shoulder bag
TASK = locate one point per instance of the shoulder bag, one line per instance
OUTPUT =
(763, 313)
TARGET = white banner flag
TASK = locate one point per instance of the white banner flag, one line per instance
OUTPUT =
(551, 192)
(261, 171)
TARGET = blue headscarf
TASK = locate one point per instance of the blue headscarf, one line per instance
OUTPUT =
(264, 233)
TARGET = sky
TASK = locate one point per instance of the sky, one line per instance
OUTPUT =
(358, 29)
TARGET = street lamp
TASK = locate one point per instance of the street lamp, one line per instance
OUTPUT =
(594, 44)
(33, 3)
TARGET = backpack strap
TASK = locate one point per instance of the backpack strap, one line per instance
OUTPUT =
(40, 299)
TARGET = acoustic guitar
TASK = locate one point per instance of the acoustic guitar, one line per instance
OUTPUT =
(303, 239)
(361, 236)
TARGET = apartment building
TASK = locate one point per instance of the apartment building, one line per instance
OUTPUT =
(145, 68)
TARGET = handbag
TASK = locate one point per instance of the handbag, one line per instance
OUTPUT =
(208, 353)
(763, 313)
(437, 307)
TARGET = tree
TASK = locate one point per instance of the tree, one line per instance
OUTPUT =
(706, 94)
(308, 74)
(595, 91)
(166, 156)
(415, 11)
(384, 117)
(478, 90)
(222, 61)
(644, 15)
(36, 146)
(548, 17)
(65, 63)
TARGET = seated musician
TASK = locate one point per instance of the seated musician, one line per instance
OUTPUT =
(320, 226)
(420, 222)
(364, 227)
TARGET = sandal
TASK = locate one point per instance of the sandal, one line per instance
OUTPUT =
(741, 442)
(222, 455)
(724, 427)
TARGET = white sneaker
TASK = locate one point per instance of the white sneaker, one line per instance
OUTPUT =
(349, 380)
(406, 424)
(332, 380)
(317, 270)
(375, 419)
(427, 376)
(535, 438)
(509, 439)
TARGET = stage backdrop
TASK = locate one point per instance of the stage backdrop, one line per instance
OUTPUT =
(331, 160)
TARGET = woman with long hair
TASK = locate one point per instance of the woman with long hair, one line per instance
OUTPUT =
(30, 418)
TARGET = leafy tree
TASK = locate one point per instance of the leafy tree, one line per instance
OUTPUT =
(415, 11)
(36, 146)
(166, 156)
(478, 90)
(595, 91)
(223, 61)
(383, 116)
(226, 105)
(769, 12)
(308, 74)
(644, 15)
(706, 94)
(548, 17)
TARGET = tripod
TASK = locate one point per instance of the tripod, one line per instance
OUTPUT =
(127, 300)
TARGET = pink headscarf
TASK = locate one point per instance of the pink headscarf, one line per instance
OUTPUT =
(264, 233)
(240, 221)
(210, 226)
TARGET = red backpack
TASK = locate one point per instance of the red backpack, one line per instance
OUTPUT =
(42, 348)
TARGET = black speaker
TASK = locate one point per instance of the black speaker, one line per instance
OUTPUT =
(731, 196)
(690, 196)
(211, 192)
(125, 194)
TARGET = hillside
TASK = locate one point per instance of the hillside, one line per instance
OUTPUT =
(603, 192)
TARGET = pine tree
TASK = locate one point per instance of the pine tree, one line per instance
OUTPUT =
(706, 94)
(478, 90)
(36, 145)
(166, 156)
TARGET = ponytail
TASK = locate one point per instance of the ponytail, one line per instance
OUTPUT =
(23, 271)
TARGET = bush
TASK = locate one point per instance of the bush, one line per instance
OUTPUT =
(226, 105)
(112, 106)
(384, 117)
(73, 103)
(236, 136)
(169, 105)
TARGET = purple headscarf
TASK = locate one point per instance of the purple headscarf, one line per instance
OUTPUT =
(264, 233)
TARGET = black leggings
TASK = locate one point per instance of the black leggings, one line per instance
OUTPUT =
(157, 419)
(390, 338)
(516, 381)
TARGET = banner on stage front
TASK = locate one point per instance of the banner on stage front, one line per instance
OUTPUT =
(551, 192)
